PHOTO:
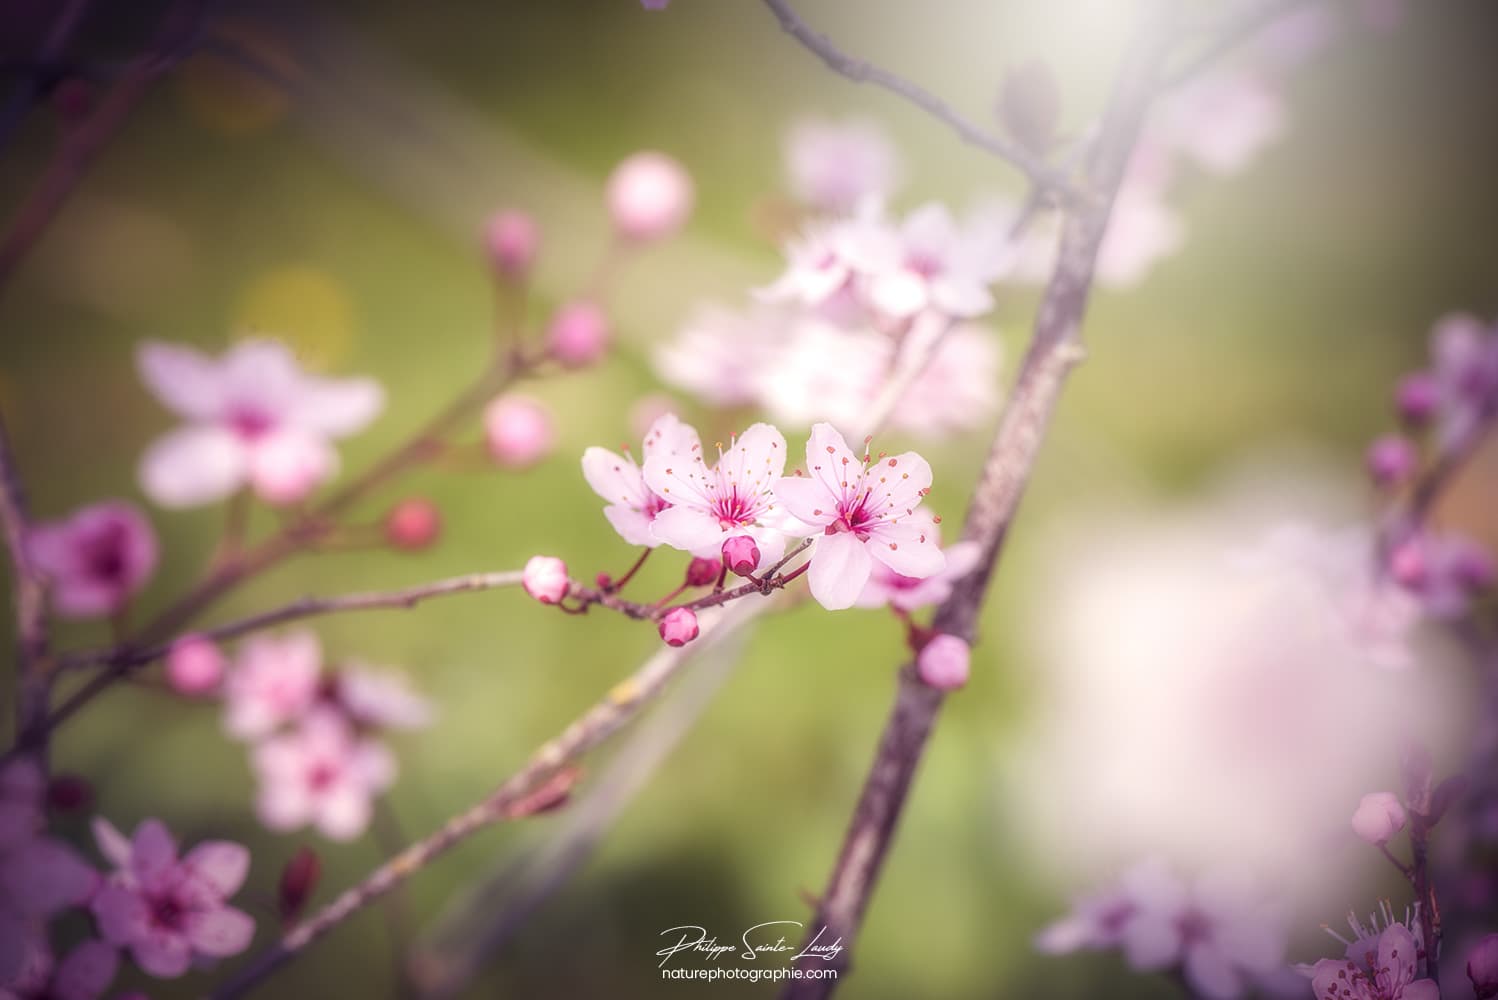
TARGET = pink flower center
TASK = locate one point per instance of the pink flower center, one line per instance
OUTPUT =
(250, 422)
(167, 912)
(853, 516)
(924, 264)
(320, 776)
(733, 510)
(1194, 927)
(104, 554)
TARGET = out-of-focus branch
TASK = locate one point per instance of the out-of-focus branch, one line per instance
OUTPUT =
(516, 797)
(1055, 348)
(1040, 173)
(33, 681)
(33, 84)
(1228, 32)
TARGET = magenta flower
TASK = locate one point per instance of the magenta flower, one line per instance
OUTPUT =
(618, 479)
(253, 418)
(275, 681)
(96, 558)
(865, 511)
(168, 911)
(732, 499)
(1381, 968)
(83, 974)
(322, 773)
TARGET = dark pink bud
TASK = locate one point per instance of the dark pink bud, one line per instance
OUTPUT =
(512, 239)
(1391, 460)
(68, 793)
(1416, 397)
(298, 880)
(1482, 967)
(702, 572)
(195, 666)
(578, 335)
(741, 555)
(413, 524)
(679, 627)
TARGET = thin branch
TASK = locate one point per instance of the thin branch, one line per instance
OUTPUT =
(1233, 30)
(1055, 348)
(514, 798)
(1040, 173)
(33, 681)
(40, 68)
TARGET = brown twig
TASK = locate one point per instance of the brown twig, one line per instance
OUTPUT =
(33, 674)
(1040, 173)
(1055, 348)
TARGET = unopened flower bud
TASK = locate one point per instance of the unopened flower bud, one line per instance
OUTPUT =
(1391, 459)
(741, 555)
(195, 666)
(545, 579)
(679, 627)
(578, 334)
(1378, 818)
(649, 197)
(512, 239)
(944, 662)
(1482, 967)
(1416, 398)
(413, 524)
(70, 793)
(298, 880)
(702, 572)
(518, 431)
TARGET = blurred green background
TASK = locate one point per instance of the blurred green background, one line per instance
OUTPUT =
(339, 207)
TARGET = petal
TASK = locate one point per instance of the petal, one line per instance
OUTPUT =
(288, 464)
(840, 566)
(807, 500)
(908, 549)
(828, 458)
(113, 844)
(754, 460)
(153, 852)
(633, 526)
(122, 915)
(689, 529)
(897, 485)
(192, 466)
(678, 478)
(1152, 941)
(186, 381)
(343, 814)
(1397, 951)
(46, 876)
(163, 955)
(1330, 976)
(336, 407)
(220, 932)
(283, 804)
(1212, 974)
(668, 434)
(1423, 989)
(264, 373)
(86, 972)
(221, 864)
(615, 477)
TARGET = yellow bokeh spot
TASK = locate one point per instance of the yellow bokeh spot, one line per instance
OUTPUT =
(239, 88)
(304, 307)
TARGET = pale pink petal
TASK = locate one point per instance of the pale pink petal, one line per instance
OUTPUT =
(840, 566)
(1151, 940)
(343, 813)
(689, 529)
(668, 434)
(1397, 952)
(908, 549)
(221, 864)
(898, 484)
(286, 465)
(163, 955)
(631, 524)
(264, 373)
(336, 408)
(282, 804)
(153, 852)
(220, 932)
(1212, 973)
(614, 477)
(373, 765)
(46, 876)
(678, 478)
(193, 465)
(122, 915)
(113, 844)
(807, 500)
(86, 972)
(186, 381)
(830, 461)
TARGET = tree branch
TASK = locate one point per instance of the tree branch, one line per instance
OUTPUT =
(1055, 348)
(1040, 173)
(33, 676)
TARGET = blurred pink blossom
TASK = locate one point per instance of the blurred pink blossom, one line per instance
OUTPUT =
(83, 974)
(1222, 120)
(649, 196)
(719, 354)
(40, 876)
(379, 699)
(1444, 570)
(254, 417)
(321, 773)
(931, 263)
(512, 239)
(1379, 965)
(168, 911)
(275, 680)
(96, 558)
(832, 166)
(1378, 817)
(632, 505)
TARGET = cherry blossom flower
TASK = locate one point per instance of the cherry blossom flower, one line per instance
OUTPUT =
(1223, 120)
(275, 681)
(254, 417)
(633, 505)
(83, 974)
(932, 264)
(1379, 965)
(734, 498)
(378, 699)
(195, 666)
(96, 558)
(578, 335)
(886, 587)
(679, 626)
(719, 354)
(1142, 231)
(829, 256)
(321, 773)
(833, 166)
(864, 512)
(168, 911)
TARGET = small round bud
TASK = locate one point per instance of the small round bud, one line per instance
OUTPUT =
(545, 579)
(1391, 460)
(578, 334)
(518, 431)
(741, 555)
(703, 572)
(679, 627)
(298, 880)
(285, 468)
(649, 197)
(195, 666)
(1416, 398)
(70, 793)
(1482, 967)
(413, 524)
(512, 239)
(1378, 818)
(944, 662)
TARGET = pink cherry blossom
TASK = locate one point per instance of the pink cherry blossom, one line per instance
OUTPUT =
(83, 974)
(734, 498)
(719, 354)
(932, 264)
(1098, 919)
(518, 430)
(254, 417)
(741, 555)
(830, 256)
(886, 587)
(1142, 231)
(195, 666)
(168, 911)
(545, 579)
(1482, 967)
(413, 524)
(632, 505)
(96, 558)
(275, 680)
(1381, 968)
(863, 511)
(1222, 120)
(649, 197)
(833, 166)
(321, 773)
